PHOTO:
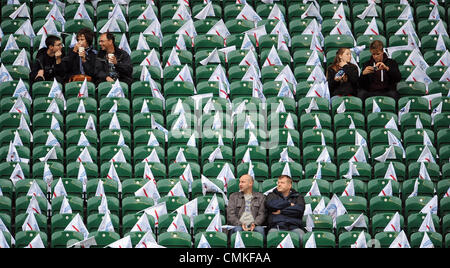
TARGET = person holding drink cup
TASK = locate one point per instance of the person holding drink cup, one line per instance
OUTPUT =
(112, 62)
(79, 63)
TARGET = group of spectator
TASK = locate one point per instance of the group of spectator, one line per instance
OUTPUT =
(82, 61)
(379, 76)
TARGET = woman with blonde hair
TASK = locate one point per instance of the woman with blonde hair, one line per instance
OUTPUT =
(342, 75)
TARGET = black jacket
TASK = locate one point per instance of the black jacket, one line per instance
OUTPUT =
(290, 216)
(48, 64)
(124, 67)
(342, 88)
(372, 82)
(71, 63)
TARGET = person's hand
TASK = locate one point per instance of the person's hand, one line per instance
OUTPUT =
(40, 74)
(278, 212)
(244, 227)
(381, 66)
(338, 78)
(344, 78)
(368, 70)
(58, 54)
(252, 227)
(113, 60)
(75, 48)
(109, 79)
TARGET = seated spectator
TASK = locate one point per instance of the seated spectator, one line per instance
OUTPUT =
(245, 208)
(380, 74)
(80, 61)
(342, 75)
(285, 208)
(112, 62)
(48, 63)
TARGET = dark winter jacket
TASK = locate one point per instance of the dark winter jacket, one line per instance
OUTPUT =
(342, 88)
(51, 70)
(124, 67)
(290, 216)
(372, 82)
(72, 63)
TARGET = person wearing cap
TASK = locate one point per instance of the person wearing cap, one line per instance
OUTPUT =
(380, 74)
(246, 208)
(285, 208)
(112, 62)
(79, 64)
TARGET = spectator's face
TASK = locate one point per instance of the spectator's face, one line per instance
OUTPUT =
(104, 42)
(377, 55)
(346, 56)
(245, 183)
(284, 185)
(81, 39)
(57, 46)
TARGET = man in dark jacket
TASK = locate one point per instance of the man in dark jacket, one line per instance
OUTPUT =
(285, 208)
(246, 208)
(112, 62)
(81, 59)
(48, 63)
(380, 74)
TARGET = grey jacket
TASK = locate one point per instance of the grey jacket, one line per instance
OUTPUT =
(236, 207)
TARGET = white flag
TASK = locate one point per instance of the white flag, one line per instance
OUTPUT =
(178, 225)
(311, 243)
(149, 190)
(81, 13)
(111, 26)
(203, 243)
(401, 241)
(340, 13)
(350, 189)
(65, 207)
(314, 190)
(360, 241)
(157, 211)
(21, 12)
(372, 29)
(207, 11)
(226, 175)
(106, 225)
(431, 206)
(11, 44)
(215, 225)
(387, 190)
(394, 224)
(427, 224)
(370, 11)
(36, 242)
(189, 209)
(426, 241)
(220, 29)
(143, 225)
(359, 156)
(248, 13)
(22, 59)
(312, 11)
(121, 243)
(77, 225)
(360, 222)
(238, 242)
